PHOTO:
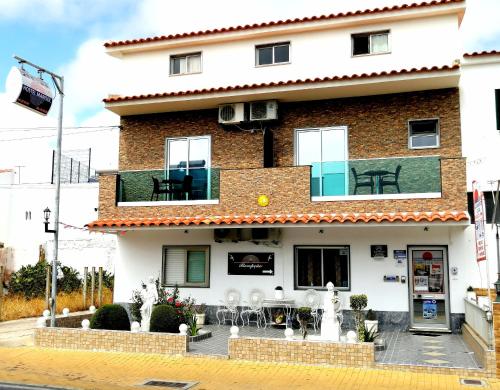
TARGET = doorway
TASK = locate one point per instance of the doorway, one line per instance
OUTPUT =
(429, 293)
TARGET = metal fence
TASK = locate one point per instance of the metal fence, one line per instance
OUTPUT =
(75, 167)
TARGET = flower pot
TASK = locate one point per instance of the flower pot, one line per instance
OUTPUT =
(371, 326)
(200, 320)
(279, 294)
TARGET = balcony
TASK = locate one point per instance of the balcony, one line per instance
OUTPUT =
(177, 186)
(384, 178)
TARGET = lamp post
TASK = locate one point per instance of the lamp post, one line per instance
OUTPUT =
(59, 84)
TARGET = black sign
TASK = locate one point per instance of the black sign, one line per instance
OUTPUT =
(378, 250)
(245, 263)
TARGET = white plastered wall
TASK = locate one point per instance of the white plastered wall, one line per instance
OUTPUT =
(140, 256)
(413, 44)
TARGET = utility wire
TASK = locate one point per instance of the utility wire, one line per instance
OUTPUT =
(53, 135)
(18, 129)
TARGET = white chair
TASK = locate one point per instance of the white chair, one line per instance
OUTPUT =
(256, 298)
(228, 310)
(313, 300)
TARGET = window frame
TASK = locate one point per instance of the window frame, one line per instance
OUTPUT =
(187, 248)
(370, 34)
(295, 268)
(185, 56)
(273, 46)
(438, 134)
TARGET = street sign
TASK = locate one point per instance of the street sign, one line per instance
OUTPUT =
(28, 91)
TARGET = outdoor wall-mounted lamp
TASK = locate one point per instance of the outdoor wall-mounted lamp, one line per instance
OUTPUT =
(46, 216)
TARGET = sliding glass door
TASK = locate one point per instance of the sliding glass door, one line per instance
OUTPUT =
(189, 156)
(325, 149)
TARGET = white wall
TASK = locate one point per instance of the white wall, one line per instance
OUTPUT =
(77, 248)
(140, 255)
(414, 43)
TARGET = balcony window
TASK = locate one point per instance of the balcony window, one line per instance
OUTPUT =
(186, 266)
(276, 53)
(185, 64)
(370, 43)
(423, 134)
(315, 266)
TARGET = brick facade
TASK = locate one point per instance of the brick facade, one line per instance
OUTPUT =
(377, 127)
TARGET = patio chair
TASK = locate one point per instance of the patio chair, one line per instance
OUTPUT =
(362, 180)
(313, 300)
(157, 190)
(391, 179)
(183, 188)
(256, 299)
(228, 310)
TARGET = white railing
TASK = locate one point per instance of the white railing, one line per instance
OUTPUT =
(478, 319)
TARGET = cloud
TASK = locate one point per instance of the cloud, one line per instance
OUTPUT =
(480, 29)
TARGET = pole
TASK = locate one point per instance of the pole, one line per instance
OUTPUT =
(99, 291)
(92, 286)
(59, 83)
(85, 275)
(47, 288)
(1, 290)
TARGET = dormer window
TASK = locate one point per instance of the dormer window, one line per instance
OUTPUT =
(370, 43)
(271, 54)
(185, 64)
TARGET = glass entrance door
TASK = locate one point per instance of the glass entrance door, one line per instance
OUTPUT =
(429, 295)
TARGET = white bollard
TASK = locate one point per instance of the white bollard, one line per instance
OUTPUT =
(135, 327)
(46, 313)
(86, 324)
(183, 328)
(41, 322)
(289, 334)
(234, 332)
(92, 309)
(351, 336)
(65, 312)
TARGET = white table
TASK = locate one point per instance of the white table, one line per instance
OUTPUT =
(270, 303)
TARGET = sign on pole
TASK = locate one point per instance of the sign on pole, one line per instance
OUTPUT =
(478, 201)
(29, 91)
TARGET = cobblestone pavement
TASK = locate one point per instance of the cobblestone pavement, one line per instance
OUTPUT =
(100, 370)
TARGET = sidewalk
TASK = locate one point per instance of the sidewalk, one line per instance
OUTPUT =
(99, 370)
(17, 333)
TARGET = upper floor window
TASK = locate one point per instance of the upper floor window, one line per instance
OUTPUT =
(423, 133)
(370, 43)
(275, 53)
(185, 63)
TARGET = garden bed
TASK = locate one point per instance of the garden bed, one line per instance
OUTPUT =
(202, 335)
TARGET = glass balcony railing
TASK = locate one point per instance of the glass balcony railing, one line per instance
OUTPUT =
(408, 175)
(196, 184)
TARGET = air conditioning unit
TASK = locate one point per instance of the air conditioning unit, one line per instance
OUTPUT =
(231, 113)
(265, 235)
(264, 111)
(226, 235)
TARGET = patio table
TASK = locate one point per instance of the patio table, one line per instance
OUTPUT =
(286, 304)
(377, 176)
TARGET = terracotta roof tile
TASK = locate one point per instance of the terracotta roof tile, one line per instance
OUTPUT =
(482, 53)
(442, 216)
(443, 68)
(283, 22)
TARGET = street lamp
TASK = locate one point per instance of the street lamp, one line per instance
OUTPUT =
(46, 216)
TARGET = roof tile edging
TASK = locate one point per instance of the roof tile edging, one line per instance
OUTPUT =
(284, 83)
(339, 15)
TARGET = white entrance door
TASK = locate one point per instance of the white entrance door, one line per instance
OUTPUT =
(429, 294)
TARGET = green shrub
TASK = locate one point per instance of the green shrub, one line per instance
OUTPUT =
(164, 319)
(29, 280)
(70, 280)
(135, 306)
(111, 317)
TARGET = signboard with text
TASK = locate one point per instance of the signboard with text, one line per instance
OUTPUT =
(28, 91)
(478, 200)
(255, 263)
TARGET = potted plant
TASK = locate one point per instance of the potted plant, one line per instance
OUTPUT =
(358, 304)
(199, 311)
(279, 293)
(303, 316)
(371, 322)
(471, 294)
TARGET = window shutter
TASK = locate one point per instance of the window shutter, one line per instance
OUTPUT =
(196, 267)
(174, 266)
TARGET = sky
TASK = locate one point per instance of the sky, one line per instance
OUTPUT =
(67, 36)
